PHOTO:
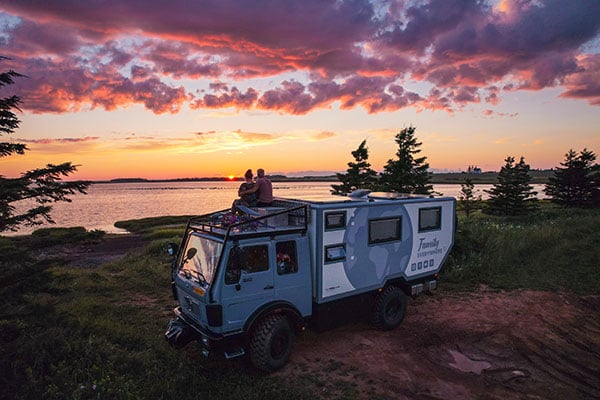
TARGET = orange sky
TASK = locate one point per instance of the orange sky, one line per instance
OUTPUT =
(154, 95)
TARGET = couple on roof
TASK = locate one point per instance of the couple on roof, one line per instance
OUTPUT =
(257, 193)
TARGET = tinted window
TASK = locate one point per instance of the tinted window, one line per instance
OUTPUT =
(287, 260)
(256, 259)
(335, 253)
(430, 219)
(335, 220)
(384, 230)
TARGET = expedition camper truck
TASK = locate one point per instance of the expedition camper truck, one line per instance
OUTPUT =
(246, 282)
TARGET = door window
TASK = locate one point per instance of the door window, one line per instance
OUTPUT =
(249, 259)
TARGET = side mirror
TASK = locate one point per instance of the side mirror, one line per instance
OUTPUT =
(191, 253)
(172, 249)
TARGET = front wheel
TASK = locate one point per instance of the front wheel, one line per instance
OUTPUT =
(389, 308)
(271, 343)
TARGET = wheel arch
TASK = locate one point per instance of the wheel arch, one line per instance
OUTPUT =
(276, 307)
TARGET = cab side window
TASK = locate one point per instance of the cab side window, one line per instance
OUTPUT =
(256, 259)
(287, 259)
(248, 259)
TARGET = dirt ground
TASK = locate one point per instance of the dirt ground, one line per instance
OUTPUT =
(88, 255)
(477, 345)
(482, 345)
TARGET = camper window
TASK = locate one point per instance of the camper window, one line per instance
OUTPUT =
(430, 219)
(335, 220)
(335, 253)
(385, 230)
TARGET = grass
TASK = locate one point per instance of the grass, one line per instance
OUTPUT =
(70, 333)
(148, 225)
(553, 249)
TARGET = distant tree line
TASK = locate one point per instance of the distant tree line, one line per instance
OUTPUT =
(575, 184)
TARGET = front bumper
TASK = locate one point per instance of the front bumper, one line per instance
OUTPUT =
(182, 330)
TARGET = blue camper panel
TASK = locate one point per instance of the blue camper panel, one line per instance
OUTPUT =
(358, 246)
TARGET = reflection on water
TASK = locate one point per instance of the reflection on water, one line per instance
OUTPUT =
(107, 203)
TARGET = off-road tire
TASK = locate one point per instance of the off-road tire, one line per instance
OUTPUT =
(271, 343)
(389, 308)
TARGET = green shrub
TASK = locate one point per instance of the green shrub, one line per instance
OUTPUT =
(51, 236)
(553, 249)
(144, 224)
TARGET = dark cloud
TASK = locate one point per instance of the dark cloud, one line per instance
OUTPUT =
(59, 140)
(356, 53)
(233, 98)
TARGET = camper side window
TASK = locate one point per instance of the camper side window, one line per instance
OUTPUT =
(335, 253)
(335, 220)
(287, 260)
(383, 230)
(430, 219)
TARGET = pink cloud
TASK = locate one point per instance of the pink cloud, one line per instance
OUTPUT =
(112, 54)
(585, 83)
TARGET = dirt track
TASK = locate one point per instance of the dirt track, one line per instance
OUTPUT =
(484, 345)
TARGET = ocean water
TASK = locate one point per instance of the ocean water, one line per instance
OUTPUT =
(107, 203)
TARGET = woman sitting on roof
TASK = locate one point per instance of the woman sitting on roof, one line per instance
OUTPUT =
(247, 199)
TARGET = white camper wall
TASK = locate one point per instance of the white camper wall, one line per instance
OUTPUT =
(430, 247)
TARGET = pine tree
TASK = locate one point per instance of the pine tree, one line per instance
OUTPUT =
(577, 184)
(43, 185)
(512, 194)
(359, 174)
(467, 198)
(406, 174)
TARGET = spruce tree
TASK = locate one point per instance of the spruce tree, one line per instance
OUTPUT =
(407, 173)
(359, 174)
(577, 184)
(512, 194)
(467, 198)
(42, 185)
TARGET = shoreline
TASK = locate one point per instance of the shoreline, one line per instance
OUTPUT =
(455, 178)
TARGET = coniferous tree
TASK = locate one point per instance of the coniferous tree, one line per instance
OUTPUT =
(467, 198)
(42, 185)
(407, 173)
(512, 194)
(577, 184)
(359, 174)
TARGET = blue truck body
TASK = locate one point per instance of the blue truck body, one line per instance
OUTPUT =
(247, 281)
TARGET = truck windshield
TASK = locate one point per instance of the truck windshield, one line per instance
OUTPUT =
(200, 258)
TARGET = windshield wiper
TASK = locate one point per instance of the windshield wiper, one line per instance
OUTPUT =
(197, 275)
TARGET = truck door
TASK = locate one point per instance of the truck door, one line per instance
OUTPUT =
(292, 274)
(248, 284)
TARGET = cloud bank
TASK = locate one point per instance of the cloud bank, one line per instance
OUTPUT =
(381, 55)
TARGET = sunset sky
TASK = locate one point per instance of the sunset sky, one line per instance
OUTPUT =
(157, 89)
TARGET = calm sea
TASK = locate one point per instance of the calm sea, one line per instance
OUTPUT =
(110, 202)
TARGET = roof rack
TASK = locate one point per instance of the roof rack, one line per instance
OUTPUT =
(253, 221)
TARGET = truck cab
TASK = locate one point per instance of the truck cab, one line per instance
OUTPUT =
(231, 272)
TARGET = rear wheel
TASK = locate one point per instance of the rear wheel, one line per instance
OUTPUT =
(389, 308)
(271, 343)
